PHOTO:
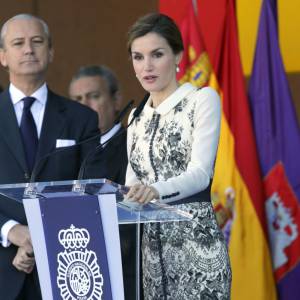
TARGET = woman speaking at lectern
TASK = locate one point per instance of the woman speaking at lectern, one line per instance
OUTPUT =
(172, 146)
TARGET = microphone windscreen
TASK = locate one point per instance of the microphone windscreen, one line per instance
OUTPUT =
(139, 109)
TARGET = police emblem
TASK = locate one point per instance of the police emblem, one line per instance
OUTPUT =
(79, 276)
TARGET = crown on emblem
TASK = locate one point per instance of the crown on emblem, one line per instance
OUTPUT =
(74, 238)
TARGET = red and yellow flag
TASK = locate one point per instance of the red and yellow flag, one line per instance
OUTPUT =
(237, 190)
(194, 66)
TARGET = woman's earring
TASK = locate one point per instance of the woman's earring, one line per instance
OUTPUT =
(177, 69)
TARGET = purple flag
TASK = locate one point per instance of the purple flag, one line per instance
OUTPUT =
(278, 141)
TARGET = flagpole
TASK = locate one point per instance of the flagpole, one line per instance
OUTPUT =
(195, 5)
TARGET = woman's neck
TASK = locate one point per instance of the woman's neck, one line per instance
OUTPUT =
(159, 97)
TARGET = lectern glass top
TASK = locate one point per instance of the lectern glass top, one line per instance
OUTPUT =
(128, 212)
(19, 191)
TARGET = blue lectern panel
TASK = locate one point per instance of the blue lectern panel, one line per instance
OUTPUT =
(76, 248)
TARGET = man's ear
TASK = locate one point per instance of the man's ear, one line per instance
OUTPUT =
(51, 54)
(3, 58)
(118, 101)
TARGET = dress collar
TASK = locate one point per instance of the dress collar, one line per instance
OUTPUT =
(171, 101)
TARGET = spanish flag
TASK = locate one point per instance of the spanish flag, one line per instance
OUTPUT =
(237, 191)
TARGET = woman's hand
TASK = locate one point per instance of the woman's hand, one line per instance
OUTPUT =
(142, 193)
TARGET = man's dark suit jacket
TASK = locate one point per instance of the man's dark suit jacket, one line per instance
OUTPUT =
(114, 158)
(114, 165)
(63, 119)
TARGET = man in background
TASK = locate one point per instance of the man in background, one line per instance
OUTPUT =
(34, 122)
(98, 88)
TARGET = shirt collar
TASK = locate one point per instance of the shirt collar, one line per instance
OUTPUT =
(110, 133)
(171, 101)
(17, 95)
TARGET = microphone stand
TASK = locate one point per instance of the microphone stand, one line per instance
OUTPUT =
(30, 190)
(78, 187)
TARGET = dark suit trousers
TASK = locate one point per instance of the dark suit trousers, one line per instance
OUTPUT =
(30, 290)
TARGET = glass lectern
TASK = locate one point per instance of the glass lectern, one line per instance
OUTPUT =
(62, 217)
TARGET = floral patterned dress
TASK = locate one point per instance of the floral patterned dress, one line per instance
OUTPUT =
(173, 148)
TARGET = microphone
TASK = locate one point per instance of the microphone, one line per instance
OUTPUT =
(100, 147)
(30, 189)
(139, 109)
